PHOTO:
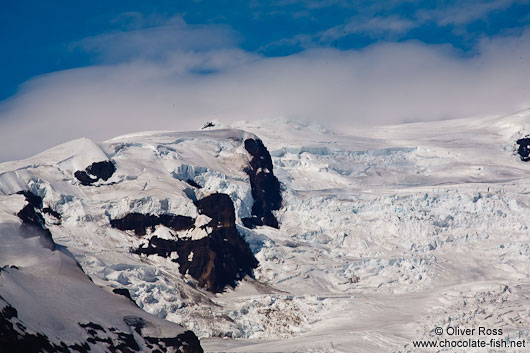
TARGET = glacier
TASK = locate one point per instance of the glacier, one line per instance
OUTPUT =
(383, 234)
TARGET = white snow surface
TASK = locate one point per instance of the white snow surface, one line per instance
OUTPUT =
(385, 233)
(51, 293)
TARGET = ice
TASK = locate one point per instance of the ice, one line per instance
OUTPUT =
(385, 233)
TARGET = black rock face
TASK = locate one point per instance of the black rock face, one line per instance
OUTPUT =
(217, 260)
(84, 178)
(140, 222)
(136, 221)
(125, 292)
(207, 125)
(31, 198)
(193, 183)
(94, 172)
(176, 222)
(264, 184)
(51, 212)
(524, 149)
(102, 170)
(33, 219)
(220, 208)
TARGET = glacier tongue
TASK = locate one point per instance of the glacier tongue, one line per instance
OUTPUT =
(384, 234)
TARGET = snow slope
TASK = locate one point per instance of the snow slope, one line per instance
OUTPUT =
(385, 233)
(51, 305)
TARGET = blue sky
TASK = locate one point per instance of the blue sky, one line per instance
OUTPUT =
(40, 37)
(103, 68)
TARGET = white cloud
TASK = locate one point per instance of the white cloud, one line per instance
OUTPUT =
(463, 12)
(370, 20)
(384, 83)
(155, 38)
(375, 26)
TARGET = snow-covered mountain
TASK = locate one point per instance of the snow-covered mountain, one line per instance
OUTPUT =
(269, 236)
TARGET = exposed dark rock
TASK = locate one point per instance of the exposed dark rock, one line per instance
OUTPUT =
(127, 343)
(140, 222)
(125, 292)
(136, 322)
(15, 337)
(176, 222)
(30, 216)
(186, 342)
(251, 222)
(220, 208)
(92, 326)
(524, 148)
(94, 172)
(34, 221)
(114, 340)
(9, 312)
(51, 212)
(207, 125)
(161, 247)
(136, 221)
(193, 183)
(31, 198)
(264, 184)
(102, 170)
(84, 178)
(18, 340)
(217, 260)
(4, 268)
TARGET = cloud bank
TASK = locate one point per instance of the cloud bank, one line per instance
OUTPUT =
(180, 86)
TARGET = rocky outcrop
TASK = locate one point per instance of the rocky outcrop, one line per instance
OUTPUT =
(207, 125)
(33, 221)
(52, 213)
(220, 208)
(193, 183)
(524, 148)
(140, 222)
(31, 198)
(125, 292)
(94, 172)
(216, 260)
(264, 185)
